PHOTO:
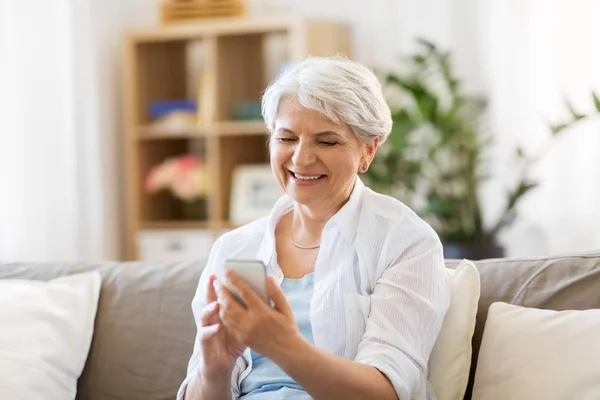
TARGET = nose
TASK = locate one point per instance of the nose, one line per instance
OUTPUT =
(303, 155)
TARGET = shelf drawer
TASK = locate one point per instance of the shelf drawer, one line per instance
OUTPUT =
(175, 245)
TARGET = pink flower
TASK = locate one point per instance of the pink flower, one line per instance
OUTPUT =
(185, 176)
(186, 163)
(161, 176)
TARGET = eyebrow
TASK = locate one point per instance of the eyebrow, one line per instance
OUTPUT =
(323, 133)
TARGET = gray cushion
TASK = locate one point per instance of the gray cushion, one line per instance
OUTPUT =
(144, 329)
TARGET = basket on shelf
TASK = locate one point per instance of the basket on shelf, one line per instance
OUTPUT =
(175, 11)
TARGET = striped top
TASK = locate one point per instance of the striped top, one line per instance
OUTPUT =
(380, 287)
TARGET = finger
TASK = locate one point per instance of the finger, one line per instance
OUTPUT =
(209, 331)
(275, 293)
(230, 309)
(210, 291)
(248, 295)
(210, 314)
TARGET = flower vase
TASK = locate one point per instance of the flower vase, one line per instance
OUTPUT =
(194, 209)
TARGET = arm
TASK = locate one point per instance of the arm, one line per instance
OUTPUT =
(211, 365)
(201, 383)
(327, 376)
(218, 387)
(408, 305)
(273, 332)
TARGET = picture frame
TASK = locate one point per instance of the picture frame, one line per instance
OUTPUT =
(254, 192)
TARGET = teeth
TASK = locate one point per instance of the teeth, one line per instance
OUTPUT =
(307, 178)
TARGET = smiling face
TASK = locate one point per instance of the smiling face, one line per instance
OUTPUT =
(315, 160)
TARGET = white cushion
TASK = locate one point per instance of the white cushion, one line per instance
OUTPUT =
(45, 335)
(528, 353)
(450, 360)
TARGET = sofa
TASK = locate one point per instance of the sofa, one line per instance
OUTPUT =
(144, 329)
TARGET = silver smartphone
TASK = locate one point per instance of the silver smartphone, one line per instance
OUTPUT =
(254, 272)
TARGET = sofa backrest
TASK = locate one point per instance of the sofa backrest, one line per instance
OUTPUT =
(144, 330)
(566, 282)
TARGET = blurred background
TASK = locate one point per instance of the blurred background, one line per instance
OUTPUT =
(129, 129)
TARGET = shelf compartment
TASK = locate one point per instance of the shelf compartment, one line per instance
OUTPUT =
(234, 151)
(161, 74)
(223, 128)
(240, 128)
(164, 206)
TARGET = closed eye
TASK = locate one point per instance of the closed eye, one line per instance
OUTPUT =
(328, 144)
(286, 140)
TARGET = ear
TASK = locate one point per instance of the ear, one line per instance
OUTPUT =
(369, 151)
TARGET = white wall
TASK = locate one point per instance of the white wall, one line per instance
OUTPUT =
(102, 25)
(523, 55)
(561, 216)
(539, 52)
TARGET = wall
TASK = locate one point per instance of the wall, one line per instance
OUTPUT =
(102, 25)
(523, 56)
(561, 216)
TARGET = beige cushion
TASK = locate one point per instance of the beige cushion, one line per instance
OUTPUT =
(45, 335)
(450, 361)
(561, 282)
(527, 353)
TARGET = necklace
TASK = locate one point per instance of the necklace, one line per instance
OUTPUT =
(300, 246)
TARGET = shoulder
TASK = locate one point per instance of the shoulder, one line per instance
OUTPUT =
(245, 237)
(388, 221)
(242, 242)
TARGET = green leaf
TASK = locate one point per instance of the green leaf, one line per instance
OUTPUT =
(522, 189)
(401, 129)
(576, 116)
(428, 107)
(419, 59)
(427, 44)
(557, 128)
(596, 101)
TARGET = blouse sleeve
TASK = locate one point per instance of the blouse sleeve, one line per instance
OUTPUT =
(408, 305)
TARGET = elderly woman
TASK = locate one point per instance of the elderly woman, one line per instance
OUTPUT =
(356, 280)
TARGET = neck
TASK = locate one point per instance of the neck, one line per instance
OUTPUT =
(308, 222)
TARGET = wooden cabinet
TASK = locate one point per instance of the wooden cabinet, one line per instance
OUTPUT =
(219, 63)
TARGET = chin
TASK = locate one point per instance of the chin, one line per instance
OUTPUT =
(303, 197)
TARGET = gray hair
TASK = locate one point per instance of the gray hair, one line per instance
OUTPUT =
(345, 91)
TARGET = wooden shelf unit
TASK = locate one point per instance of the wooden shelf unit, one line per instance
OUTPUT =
(237, 66)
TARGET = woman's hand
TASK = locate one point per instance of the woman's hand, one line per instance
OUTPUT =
(267, 330)
(219, 348)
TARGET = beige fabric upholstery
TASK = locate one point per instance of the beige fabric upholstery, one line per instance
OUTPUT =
(567, 282)
(144, 328)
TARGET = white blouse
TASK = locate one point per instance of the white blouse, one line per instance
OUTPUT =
(381, 290)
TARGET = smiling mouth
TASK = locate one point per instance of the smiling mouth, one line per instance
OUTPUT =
(307, 178)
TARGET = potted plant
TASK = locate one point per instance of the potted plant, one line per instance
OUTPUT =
(185, 176)
(434, 158)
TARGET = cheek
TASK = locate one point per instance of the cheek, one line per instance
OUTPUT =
(278, 158)
(274, 155)
(348, 160)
